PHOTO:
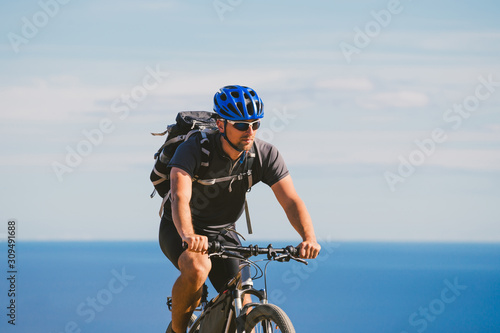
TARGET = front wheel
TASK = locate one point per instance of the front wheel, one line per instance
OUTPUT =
(267, 318)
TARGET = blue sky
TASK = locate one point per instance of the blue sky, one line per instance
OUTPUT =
(347, 124)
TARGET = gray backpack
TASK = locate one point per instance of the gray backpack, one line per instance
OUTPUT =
(187, 124)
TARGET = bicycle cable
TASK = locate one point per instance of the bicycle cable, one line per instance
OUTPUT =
(265, 275)
(258, 271)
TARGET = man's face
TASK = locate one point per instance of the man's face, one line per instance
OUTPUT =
(241, 133)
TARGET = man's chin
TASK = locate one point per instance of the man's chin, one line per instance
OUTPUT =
(246, 145)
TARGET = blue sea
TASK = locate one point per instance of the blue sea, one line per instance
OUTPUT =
(352, 287)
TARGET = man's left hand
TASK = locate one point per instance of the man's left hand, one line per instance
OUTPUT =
(309, 249)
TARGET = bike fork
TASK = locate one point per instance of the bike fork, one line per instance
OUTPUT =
(238, 302)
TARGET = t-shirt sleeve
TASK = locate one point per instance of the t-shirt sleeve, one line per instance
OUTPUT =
(273, 165)
(187, 156)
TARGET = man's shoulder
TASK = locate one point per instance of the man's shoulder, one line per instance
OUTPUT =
(267, 153)
(193, 142)
(272, 165)
(186, 151)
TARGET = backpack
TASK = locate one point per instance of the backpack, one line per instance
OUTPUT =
(188, 123)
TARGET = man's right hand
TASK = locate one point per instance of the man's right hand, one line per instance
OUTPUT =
(196, 243)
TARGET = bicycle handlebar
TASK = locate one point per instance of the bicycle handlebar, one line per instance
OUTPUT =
(252, 250)
(287, 253)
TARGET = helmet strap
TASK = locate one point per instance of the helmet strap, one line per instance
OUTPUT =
(231, 144)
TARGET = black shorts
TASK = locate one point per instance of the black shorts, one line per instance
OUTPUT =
(222, 270)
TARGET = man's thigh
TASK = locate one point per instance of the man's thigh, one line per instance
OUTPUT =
(224, 270)
(170, 241)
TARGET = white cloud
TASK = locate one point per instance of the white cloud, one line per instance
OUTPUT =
(384, 148)
(486, 42)
(57, 99)
(134, 6)
(65, 98)
(398, 99)
(493, 127)
(469, 159)
(196, 84)
(347, 83)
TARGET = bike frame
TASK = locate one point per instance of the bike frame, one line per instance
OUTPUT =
(238, 287)
(242, 283)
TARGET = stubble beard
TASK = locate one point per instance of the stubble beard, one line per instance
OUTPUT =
(242, 145)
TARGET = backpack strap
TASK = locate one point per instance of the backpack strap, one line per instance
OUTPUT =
(232, 178)
(205, 150)
(160, 155)
(164, 201)
(247, 216)
(250, 160)
(162, 176)
(205, 159)
(205, 156)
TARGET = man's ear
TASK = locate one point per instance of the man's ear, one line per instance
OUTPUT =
(220, 125)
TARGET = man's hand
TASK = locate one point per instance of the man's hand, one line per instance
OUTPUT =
(309, 249)
(196, 243)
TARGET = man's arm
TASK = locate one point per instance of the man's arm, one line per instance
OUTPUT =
(181, 191)
(298, 216)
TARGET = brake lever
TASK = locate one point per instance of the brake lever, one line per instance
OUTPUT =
(283, 258)
(287, 257)
(293, 253)
(216, 254)
(299, 260)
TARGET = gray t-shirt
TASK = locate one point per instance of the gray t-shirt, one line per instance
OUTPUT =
(223, 203)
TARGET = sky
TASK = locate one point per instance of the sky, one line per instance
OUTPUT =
(386, 112)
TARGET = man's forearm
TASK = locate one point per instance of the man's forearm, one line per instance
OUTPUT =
(181, 214)
(301, 220)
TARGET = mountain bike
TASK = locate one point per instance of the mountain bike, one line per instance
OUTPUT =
(226, 312)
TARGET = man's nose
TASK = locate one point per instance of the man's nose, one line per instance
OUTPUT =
(250, 130)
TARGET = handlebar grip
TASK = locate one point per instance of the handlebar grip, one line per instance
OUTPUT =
(213, 247)
(294, 251)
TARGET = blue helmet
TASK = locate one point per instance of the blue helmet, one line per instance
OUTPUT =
(238, 103)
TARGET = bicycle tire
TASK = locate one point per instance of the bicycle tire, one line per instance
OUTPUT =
(268, 318)
(191, 321)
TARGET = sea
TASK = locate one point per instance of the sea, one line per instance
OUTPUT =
(72, 287)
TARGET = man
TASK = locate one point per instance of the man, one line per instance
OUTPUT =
(198, 213)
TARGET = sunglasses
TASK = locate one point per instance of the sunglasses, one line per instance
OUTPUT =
(244, 126)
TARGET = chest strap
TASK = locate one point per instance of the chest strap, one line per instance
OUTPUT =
(213, 181)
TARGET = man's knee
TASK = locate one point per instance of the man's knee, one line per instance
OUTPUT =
(195, 265)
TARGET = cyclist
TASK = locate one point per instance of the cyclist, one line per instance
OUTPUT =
(197, 213)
